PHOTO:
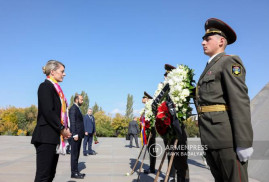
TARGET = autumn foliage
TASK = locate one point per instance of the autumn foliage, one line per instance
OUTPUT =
(18, 121)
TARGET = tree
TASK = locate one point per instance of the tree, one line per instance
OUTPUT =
(9, 121)
(86, 102)
(103, 125)
(120, 125)
(71, 101)
(96, 108)
(31, 113)
(191, 128)
(21, 120)
(18, 121)
(31, 118)
(129, 108)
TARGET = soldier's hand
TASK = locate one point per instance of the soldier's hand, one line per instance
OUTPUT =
(244, 154)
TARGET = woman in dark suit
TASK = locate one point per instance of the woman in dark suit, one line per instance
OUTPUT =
(52, 122)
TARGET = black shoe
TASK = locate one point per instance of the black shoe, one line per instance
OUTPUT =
(147, 171)
(169, 180)
(92, 153)
(82, 174)
(85, 154)
(181, 179)
(77, 175)
(68, 152)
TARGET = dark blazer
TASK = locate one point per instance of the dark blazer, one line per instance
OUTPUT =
(133, 128)
(89, 123)
(76, 122)
(48, 125)
(218, 84)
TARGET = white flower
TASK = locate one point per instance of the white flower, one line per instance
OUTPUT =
(171, 82)
(178, 87)
(186, 92)
(177, 99)
(179, 82)
(148, 110)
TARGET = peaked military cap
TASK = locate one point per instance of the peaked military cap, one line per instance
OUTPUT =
(215, 26)
(146, 95)
(168, 68)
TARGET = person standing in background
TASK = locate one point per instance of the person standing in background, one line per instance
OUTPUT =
(77, 129)
(52, 124)
(133, 130)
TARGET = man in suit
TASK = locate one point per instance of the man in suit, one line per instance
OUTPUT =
(133, 130)
(151, 142)
(89, 126)
(77, 129)
(224, 106)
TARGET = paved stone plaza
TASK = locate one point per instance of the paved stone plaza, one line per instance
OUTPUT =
(113, 161)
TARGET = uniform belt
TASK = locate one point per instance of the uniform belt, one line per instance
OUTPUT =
(212, 108)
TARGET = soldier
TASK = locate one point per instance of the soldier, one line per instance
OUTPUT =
(224, 106)
(151, 142)
(180, 163)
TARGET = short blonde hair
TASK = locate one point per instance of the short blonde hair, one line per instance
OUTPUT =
(51, 65)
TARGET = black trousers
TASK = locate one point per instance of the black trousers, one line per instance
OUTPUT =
(180, 162)
(75, 151)
(225, 166)
(46, 162)
(152, 150)
(131, 140)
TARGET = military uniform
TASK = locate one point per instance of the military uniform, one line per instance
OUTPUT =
(224, 114)
(151, 150)
(180, 162)
(151, 145)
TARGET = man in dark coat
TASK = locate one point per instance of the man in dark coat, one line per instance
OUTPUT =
(77, 129)
(133, 130)
(224, 106)
(89, 126)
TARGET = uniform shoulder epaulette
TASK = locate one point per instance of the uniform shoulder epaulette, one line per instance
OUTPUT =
(230, 55)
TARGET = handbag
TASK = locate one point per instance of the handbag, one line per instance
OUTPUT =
(127, 136)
